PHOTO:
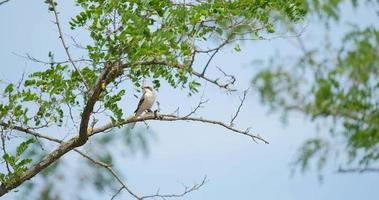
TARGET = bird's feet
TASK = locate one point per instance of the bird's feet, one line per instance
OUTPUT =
(156, 114)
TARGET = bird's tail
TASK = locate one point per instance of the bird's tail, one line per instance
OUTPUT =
(133, 124)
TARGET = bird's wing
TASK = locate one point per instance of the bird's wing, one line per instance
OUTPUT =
(140, 103)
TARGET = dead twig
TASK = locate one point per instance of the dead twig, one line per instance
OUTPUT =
(242, 100)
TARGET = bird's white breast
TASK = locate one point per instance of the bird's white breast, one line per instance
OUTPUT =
(149, 99)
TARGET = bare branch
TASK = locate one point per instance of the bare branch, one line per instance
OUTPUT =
(217, 48)
(118, 192)
(77, 44)
(199, 105)
(239, 107)
(170, 117)
(186, 191)
(232, 78)
(209, 61)
(111, 170)
(357, 170)
(33, 59)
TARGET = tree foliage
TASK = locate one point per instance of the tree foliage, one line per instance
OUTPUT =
(130, 41)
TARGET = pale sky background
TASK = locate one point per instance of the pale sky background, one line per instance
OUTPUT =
(184, 152)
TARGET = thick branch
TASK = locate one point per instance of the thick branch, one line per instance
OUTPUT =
(93, 97)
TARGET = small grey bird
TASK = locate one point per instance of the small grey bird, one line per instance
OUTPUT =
(146, 102)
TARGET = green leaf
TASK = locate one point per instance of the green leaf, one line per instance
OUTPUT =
(9, 159)
(23, 146)
(9, 88)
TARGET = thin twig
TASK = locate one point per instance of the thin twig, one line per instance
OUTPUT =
(240, 106)
(4, 151)
(199, 105)
(33, 59)
(209, 61)
(118, 192)
(111, 170)
(357, 170)
(186, 191)
(65, 45)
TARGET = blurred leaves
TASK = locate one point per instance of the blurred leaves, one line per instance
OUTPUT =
(336, 82)
(312, 148)
(115, 147)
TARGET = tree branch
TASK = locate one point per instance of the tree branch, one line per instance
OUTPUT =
(111, 170)
(357, 170)
(239, 107)
(33, 59)
(170, 117)
(186, 191)
(94, 94)
(209, 61)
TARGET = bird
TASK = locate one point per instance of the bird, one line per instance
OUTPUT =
(146, 102)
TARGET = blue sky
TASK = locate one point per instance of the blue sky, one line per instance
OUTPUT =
(184, 152)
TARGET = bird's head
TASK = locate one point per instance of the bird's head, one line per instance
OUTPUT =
(147, 88)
